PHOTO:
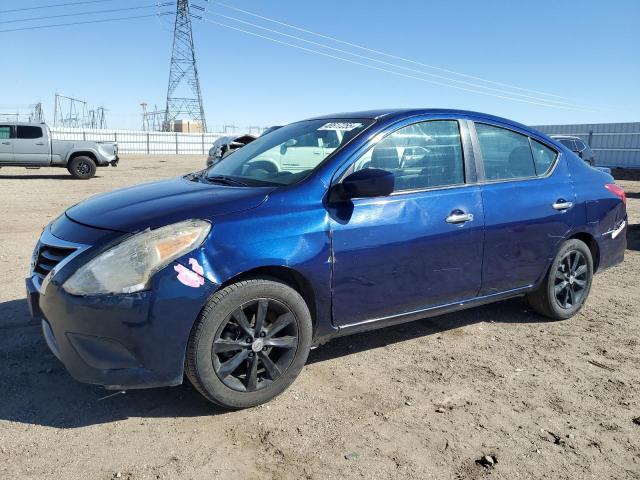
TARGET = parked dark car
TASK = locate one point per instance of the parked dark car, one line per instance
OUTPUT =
(577, 146)
(231, 275)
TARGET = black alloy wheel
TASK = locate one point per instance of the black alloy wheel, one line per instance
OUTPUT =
(255, 345)
(571, 279)
(82, 167)
(565, 287)
(249, 343)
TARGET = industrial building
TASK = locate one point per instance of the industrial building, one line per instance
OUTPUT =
(615, 144)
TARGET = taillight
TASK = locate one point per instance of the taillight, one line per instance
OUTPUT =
(617, 190)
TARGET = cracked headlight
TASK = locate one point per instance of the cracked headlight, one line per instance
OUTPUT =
(128, 266)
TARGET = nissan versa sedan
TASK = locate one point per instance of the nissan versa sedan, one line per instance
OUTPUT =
(232, 274)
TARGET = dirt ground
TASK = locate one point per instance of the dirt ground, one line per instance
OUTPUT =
(423, 400)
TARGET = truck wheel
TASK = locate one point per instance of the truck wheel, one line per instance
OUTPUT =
(82, 168)
(567, 283)
(249, 344)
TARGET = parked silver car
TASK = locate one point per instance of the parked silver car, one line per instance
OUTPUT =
(30, 145)
(226, 145)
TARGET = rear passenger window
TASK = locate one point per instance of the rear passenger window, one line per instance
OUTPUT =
(506, 154)
(25, 131)
(422, 155)
(543, 157)
(5, 132)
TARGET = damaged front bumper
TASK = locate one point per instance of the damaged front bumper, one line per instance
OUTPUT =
(122, 341)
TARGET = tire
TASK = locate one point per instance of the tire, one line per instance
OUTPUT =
(225, 358)
(566, 286)
(82, 167)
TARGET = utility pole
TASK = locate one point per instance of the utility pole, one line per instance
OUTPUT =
(145, 117)
(183, 93)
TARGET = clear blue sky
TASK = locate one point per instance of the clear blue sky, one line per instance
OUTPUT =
(587, 51)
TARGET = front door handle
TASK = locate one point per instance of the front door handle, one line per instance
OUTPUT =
(562, 205)
(6, 143)
(458, 216)
(40, 143)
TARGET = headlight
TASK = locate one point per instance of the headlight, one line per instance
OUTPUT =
(129, 266)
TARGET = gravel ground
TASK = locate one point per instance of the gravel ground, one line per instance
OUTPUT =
(424, 400)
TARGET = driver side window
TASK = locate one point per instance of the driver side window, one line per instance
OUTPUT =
(422, 155)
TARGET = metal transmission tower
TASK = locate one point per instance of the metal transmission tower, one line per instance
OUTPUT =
(37, 114)
(183, 94)
(69, 112)
(152, 121)
(101, 117)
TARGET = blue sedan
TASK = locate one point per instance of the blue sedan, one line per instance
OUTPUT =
(322, 228)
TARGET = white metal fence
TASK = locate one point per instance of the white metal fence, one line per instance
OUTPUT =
(144, 143)
(615, 144)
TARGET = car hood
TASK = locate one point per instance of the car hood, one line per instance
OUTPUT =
(156, 204)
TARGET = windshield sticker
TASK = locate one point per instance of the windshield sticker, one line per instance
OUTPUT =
(190, 278)
(342, 126)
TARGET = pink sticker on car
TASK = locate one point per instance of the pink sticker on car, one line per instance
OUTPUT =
(190, 278)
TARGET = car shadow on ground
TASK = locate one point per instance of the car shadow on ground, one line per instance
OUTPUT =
(36, 389)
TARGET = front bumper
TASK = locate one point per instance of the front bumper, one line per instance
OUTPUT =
(119, 341)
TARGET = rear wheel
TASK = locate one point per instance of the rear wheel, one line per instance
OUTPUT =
(567, 284)
(82, 167)
(249, 344)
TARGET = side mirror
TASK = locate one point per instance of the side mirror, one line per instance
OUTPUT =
(369, 182)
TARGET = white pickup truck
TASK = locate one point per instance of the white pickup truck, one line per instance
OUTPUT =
(30, 145)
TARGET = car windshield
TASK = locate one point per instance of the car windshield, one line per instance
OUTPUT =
(286, 155)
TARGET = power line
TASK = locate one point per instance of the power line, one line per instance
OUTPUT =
(112, 10)
(371, 50)
(393, 72)
(401, 67)
(86, 22)
(54, 5)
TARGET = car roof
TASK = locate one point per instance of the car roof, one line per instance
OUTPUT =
(410, 112)
(30, 124)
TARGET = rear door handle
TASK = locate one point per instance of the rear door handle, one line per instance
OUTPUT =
(40, 143)
(458, 216)
(562, 205)
(6, 143)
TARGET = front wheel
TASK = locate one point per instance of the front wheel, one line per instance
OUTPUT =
(249, 344)
(567, 284)
(82, 167)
